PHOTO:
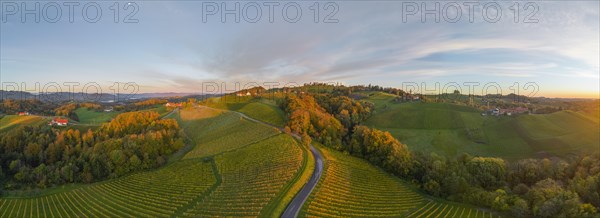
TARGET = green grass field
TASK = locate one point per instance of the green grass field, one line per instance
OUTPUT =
(216, 131)
(264, 112)
(351, 187)
(452, 129)
(9, 122)
(161, 110)
(87, 116)
(262, 109)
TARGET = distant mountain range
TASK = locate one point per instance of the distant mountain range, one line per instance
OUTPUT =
(80, 96)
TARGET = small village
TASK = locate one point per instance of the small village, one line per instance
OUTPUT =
(506, 111)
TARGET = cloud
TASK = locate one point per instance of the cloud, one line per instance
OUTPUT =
(370, 44)
(365, 45)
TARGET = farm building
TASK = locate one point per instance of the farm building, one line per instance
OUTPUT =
(59, 122)
(169, 104)
(242, 94)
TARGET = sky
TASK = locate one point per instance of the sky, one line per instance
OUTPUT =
(177, 46)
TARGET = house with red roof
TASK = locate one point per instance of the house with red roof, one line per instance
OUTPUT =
(59, 122)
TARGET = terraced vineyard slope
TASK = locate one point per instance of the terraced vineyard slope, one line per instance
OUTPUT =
(436, 209)
(215, 131)
(351, 187)
(237, 168)
(151, 194)
(252, 179)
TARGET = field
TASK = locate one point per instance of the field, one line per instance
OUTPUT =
(252, 171)
(156, 193)
(438, 209)
(262, 109)
(450, 130)
(252, 178)
(9, 122)
(264, 112)
(87, 116)
(351, 187)
(216, 131)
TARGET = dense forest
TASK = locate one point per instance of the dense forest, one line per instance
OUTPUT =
(530, 187)
(42, 156)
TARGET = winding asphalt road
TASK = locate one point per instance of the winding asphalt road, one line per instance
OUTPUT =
(294, 207)
(296, 204)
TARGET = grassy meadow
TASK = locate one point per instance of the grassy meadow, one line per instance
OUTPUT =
(263, 109)
(91, 116)
(9, 122)
(449, 129)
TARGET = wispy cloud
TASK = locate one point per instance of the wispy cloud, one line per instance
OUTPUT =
(370, 44)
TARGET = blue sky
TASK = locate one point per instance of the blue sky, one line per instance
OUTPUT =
(172, 50)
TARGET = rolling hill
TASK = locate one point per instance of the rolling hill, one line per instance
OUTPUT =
(263, 109)
(450, 129)
(9, 122)
(351, 187)
(236, 167)
(90, 116)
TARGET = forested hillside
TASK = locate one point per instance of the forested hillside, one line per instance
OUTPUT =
(529, 187)
(41, 156)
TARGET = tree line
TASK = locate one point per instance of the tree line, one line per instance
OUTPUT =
(530, 187)
(10, 106)
(43, 156)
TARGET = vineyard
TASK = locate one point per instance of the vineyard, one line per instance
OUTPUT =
(435, 209)
(252, 178)
(239, 168)
(214, 134)
(351, 187)
(264, 112)
(265, 109)
(12, 121)
(245, 174)
(157, 193)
